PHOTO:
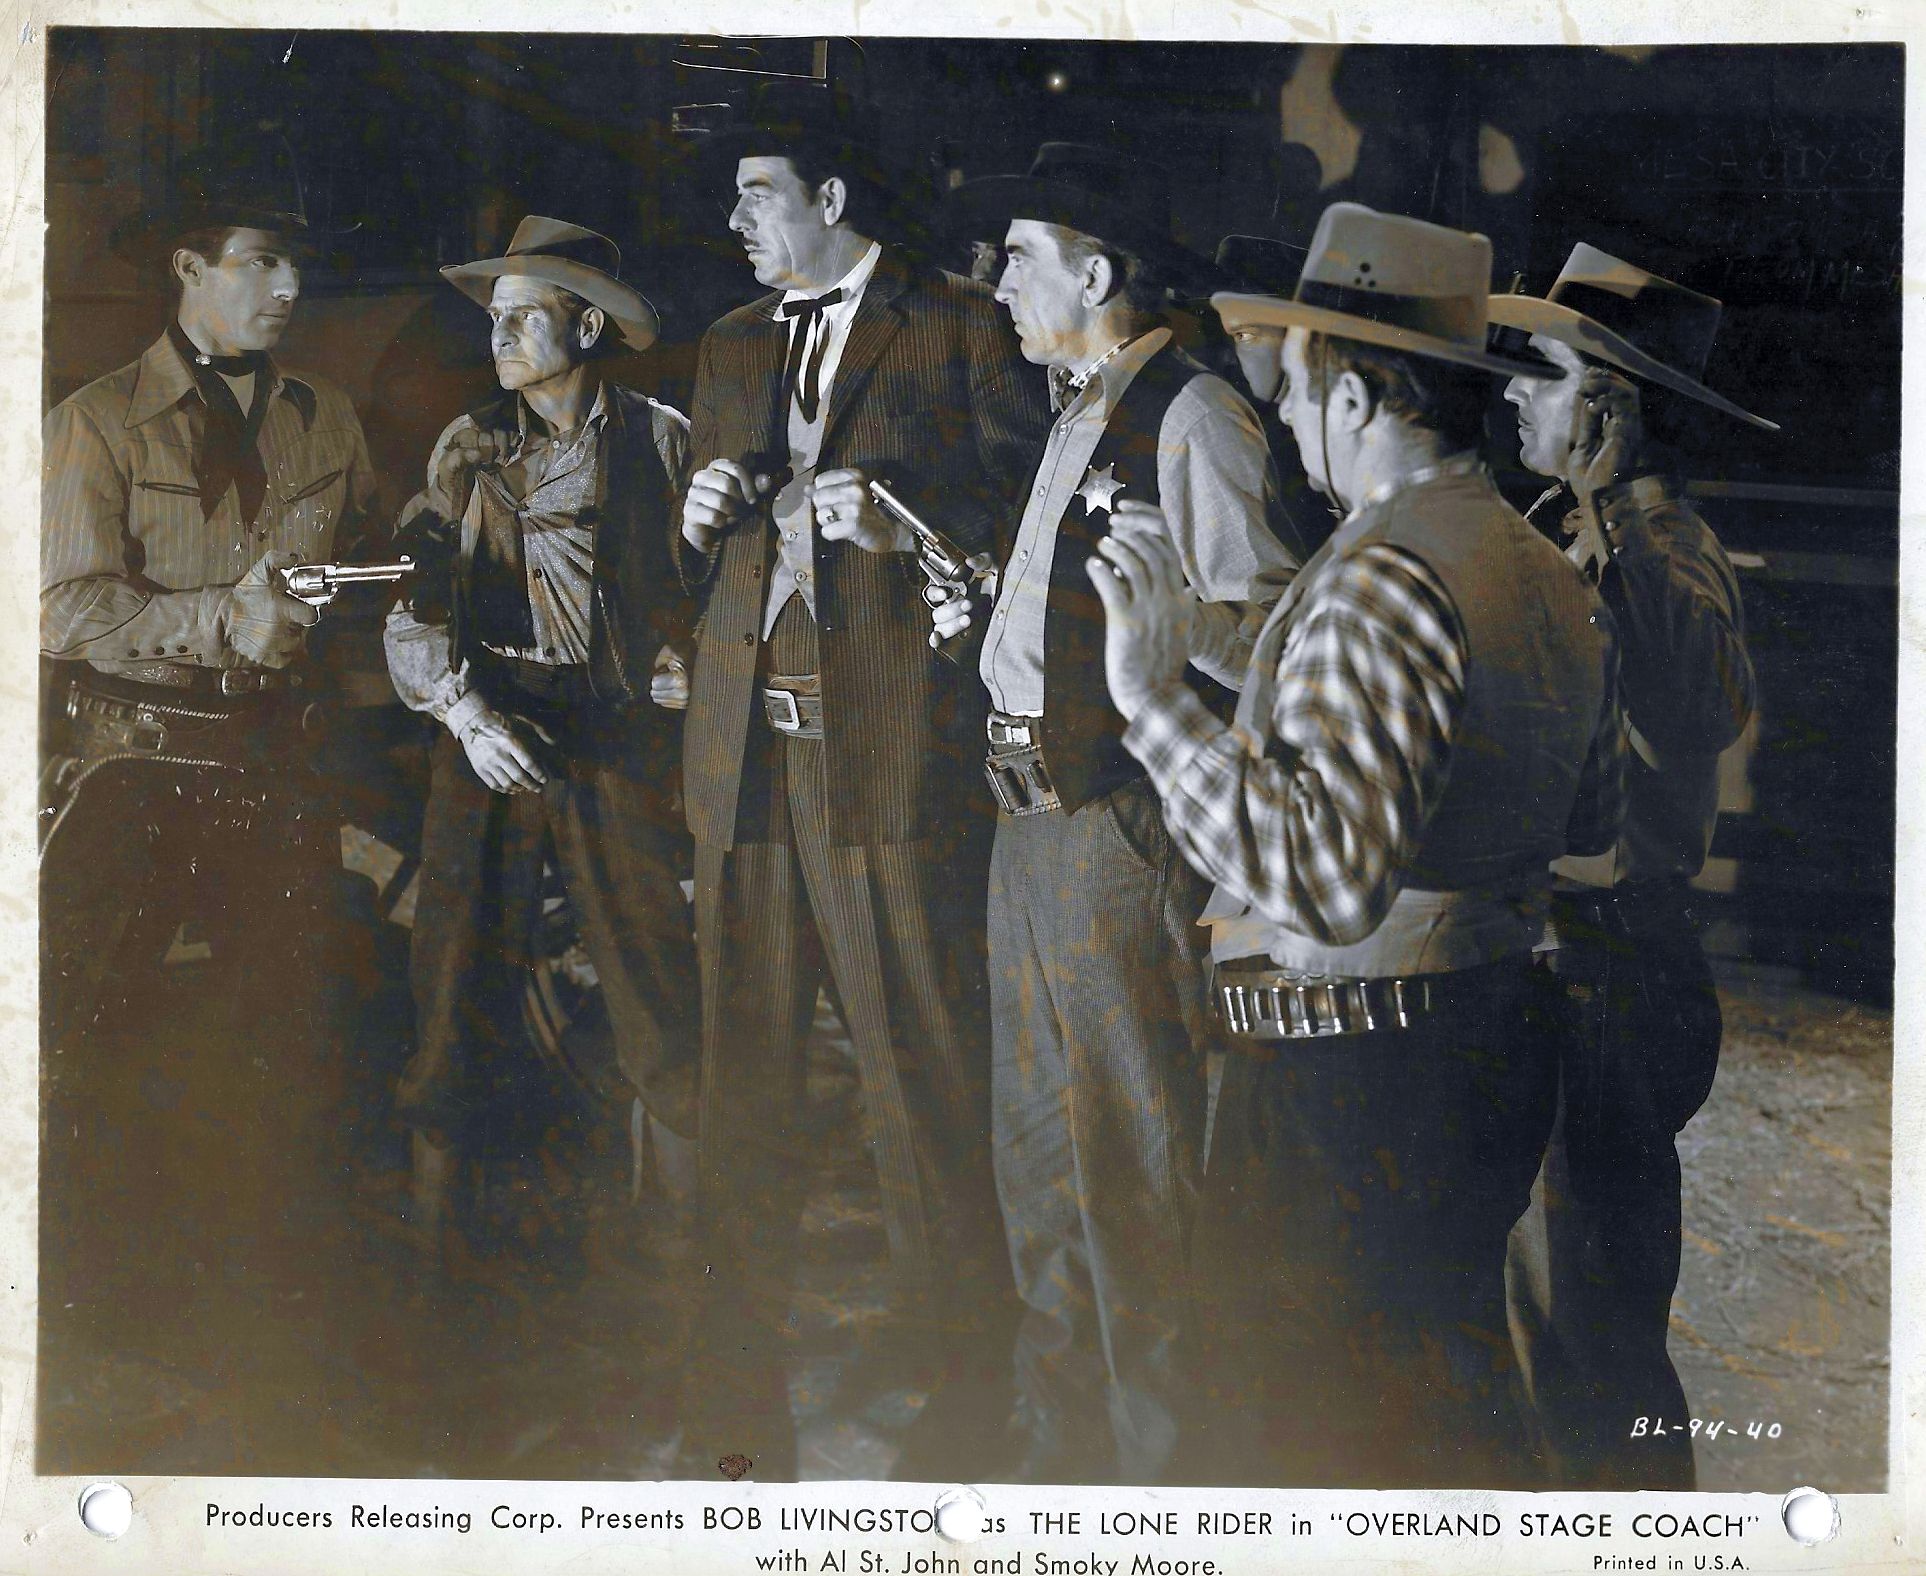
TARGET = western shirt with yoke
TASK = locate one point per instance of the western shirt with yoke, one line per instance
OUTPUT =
(133, 567)
(1685, 678)
(1217, 491)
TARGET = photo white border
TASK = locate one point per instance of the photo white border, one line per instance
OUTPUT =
(40, 1529)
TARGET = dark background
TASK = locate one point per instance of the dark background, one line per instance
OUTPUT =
(1769, 176)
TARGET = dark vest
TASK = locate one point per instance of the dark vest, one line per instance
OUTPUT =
(638, 601)
(1083, 746)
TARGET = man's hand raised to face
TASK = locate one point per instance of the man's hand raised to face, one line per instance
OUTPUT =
(1148, 606)
(720, 494)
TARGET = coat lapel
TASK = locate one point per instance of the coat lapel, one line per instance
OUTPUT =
(763, 350)
(877, 322)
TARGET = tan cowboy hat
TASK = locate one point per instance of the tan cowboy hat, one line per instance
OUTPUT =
(1619, 313)
(1392, 281)
(575, 259)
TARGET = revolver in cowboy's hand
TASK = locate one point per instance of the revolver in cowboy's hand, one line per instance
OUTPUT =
(319, 584)
(945, 565)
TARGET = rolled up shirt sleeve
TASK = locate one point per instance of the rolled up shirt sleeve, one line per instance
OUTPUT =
(1314, 827)
(419, 646)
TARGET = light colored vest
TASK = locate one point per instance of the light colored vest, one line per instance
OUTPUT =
(1538, 648)
(794, 572)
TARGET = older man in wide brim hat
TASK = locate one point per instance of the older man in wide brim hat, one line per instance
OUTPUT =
(1427, 722)
(549, 509)
(1096, 978)
(1595, 1262)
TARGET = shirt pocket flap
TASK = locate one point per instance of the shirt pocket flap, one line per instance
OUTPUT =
(318, 485)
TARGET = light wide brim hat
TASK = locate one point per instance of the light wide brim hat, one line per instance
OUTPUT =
(573, 259)
(1631, 319)
(1384, 279)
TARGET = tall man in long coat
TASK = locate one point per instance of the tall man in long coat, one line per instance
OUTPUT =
(830, 753)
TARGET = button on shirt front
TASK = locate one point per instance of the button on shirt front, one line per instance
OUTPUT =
(551, 488)
(1215, 483)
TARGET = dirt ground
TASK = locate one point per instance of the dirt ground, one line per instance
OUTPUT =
(1784, 1301)
(553, 1352)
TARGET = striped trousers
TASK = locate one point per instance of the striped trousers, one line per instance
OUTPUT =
(897, 929)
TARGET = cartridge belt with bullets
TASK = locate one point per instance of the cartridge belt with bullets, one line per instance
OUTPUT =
(1259, 1001)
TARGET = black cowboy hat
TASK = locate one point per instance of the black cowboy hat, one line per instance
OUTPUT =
(574, 259)
(257, 187)
(1258, 265)
(1623, 314)
(1098, 192)
(786, 117)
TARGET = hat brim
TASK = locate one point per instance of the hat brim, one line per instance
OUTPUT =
(137, 237)
(986, 206)
(634, 318)
(1237, 309)
(1535, 315)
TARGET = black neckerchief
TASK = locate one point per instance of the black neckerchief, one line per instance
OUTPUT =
(228, 451)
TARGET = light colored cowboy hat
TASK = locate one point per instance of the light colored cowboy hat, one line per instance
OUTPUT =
(1387, 280)
(1619, 313)
(572, 258)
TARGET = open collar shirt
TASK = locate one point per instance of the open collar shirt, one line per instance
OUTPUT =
(1214, 479)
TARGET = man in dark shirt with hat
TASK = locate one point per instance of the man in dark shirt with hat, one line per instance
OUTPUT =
(1595, 1261)
(826, 768)
(1096, 981)
(536, 651)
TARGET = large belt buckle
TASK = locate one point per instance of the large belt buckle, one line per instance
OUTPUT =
(239, 681)
(779, 706)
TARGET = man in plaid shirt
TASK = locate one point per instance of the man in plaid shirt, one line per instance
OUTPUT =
(1428, 721)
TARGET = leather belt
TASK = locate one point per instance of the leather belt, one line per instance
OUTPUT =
(104, 726)
(1014, 766)
(207, 681)
(794, 705)
(1258, 1001)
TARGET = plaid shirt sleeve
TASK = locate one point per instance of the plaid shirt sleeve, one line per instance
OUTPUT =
(1312, 825)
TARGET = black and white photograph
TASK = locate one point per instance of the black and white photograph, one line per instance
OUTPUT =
(1039, 762)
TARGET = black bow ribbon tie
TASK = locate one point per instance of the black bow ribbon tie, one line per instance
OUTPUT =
(809, 310)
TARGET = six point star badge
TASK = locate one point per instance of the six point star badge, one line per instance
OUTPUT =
(1099, 489)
